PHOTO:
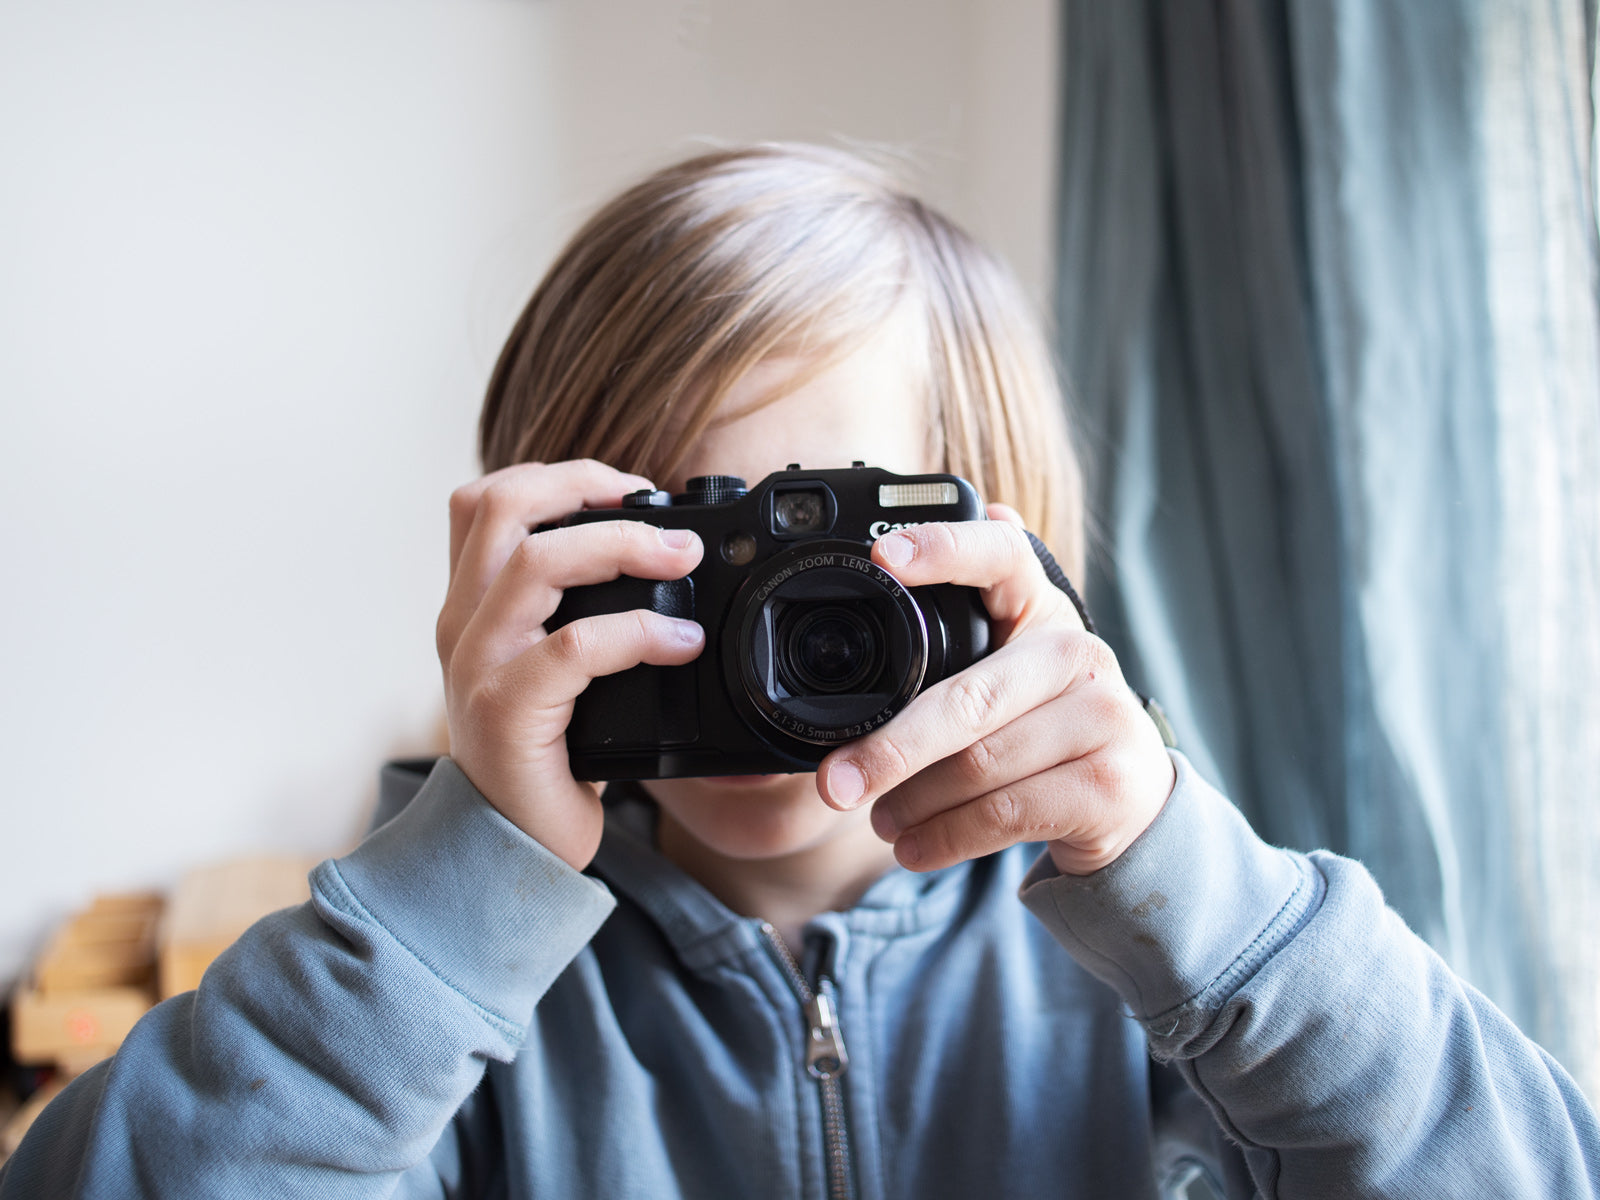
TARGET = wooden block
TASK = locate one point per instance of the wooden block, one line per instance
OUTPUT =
(116, 966)
(94, 930)
(110, 944)
(80, 1027)
(121, 904)
(9, 1107)
(116, 905)
(93, 981)
(211, 907)
(13, 1129)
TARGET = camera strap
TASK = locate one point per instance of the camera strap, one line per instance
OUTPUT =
(1054, 573)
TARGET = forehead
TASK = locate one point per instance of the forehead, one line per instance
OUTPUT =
(869, 406)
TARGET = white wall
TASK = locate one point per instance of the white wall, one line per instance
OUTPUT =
(255, 263)
(964, 89)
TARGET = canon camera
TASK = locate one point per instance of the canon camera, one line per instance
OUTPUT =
(808, 642)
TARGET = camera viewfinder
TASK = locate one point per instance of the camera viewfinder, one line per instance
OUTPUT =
(802, 511)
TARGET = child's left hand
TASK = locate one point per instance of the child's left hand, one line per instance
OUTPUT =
(1042, 740)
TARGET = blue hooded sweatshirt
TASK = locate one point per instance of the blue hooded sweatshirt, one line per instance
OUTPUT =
(456, 1012)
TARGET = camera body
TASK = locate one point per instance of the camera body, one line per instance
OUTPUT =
(808, 642)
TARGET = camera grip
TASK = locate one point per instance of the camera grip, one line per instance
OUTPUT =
(662, 702)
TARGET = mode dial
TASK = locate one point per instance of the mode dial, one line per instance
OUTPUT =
(714, 489)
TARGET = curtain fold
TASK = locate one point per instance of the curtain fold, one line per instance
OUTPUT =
(1329, 302)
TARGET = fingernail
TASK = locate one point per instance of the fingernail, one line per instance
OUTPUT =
(846, 784)
(687, 632)
(908, 849)
(677, 539)
(884, 824)
(896, 550)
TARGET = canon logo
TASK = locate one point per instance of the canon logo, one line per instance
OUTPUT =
(878, 528)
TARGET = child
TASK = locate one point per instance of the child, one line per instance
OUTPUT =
(735, 987)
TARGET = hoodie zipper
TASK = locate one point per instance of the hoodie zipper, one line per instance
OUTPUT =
(826, 1061)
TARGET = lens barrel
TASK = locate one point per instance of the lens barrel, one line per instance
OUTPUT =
(822, 644)
(829, 648)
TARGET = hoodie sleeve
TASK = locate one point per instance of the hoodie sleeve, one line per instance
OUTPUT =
(1327, 1039)
(324, 1053)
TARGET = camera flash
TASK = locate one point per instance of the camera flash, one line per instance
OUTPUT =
(916, 495)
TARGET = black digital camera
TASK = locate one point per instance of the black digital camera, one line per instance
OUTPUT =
(808, 642)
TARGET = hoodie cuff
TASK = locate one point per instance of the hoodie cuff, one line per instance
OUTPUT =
(485, 907)
(1187, 913)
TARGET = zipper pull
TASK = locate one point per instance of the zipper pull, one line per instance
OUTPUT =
(826, 1057)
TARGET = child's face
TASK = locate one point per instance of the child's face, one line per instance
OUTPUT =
(870, 407)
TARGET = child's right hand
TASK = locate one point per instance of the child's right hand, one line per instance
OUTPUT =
(509, 686)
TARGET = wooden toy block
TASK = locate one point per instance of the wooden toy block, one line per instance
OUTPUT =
(17, 1123)
(93, 981)
(110, 944)
(212, 906)
(74, 1029)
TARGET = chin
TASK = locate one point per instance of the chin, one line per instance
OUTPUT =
(750, 817)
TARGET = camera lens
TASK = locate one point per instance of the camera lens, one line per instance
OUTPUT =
(799, 512)
(821, 645)
(828, 650)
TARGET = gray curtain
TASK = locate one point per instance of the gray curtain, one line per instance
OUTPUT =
(1328, 300)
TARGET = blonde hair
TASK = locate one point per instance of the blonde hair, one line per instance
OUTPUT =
(688, 279)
